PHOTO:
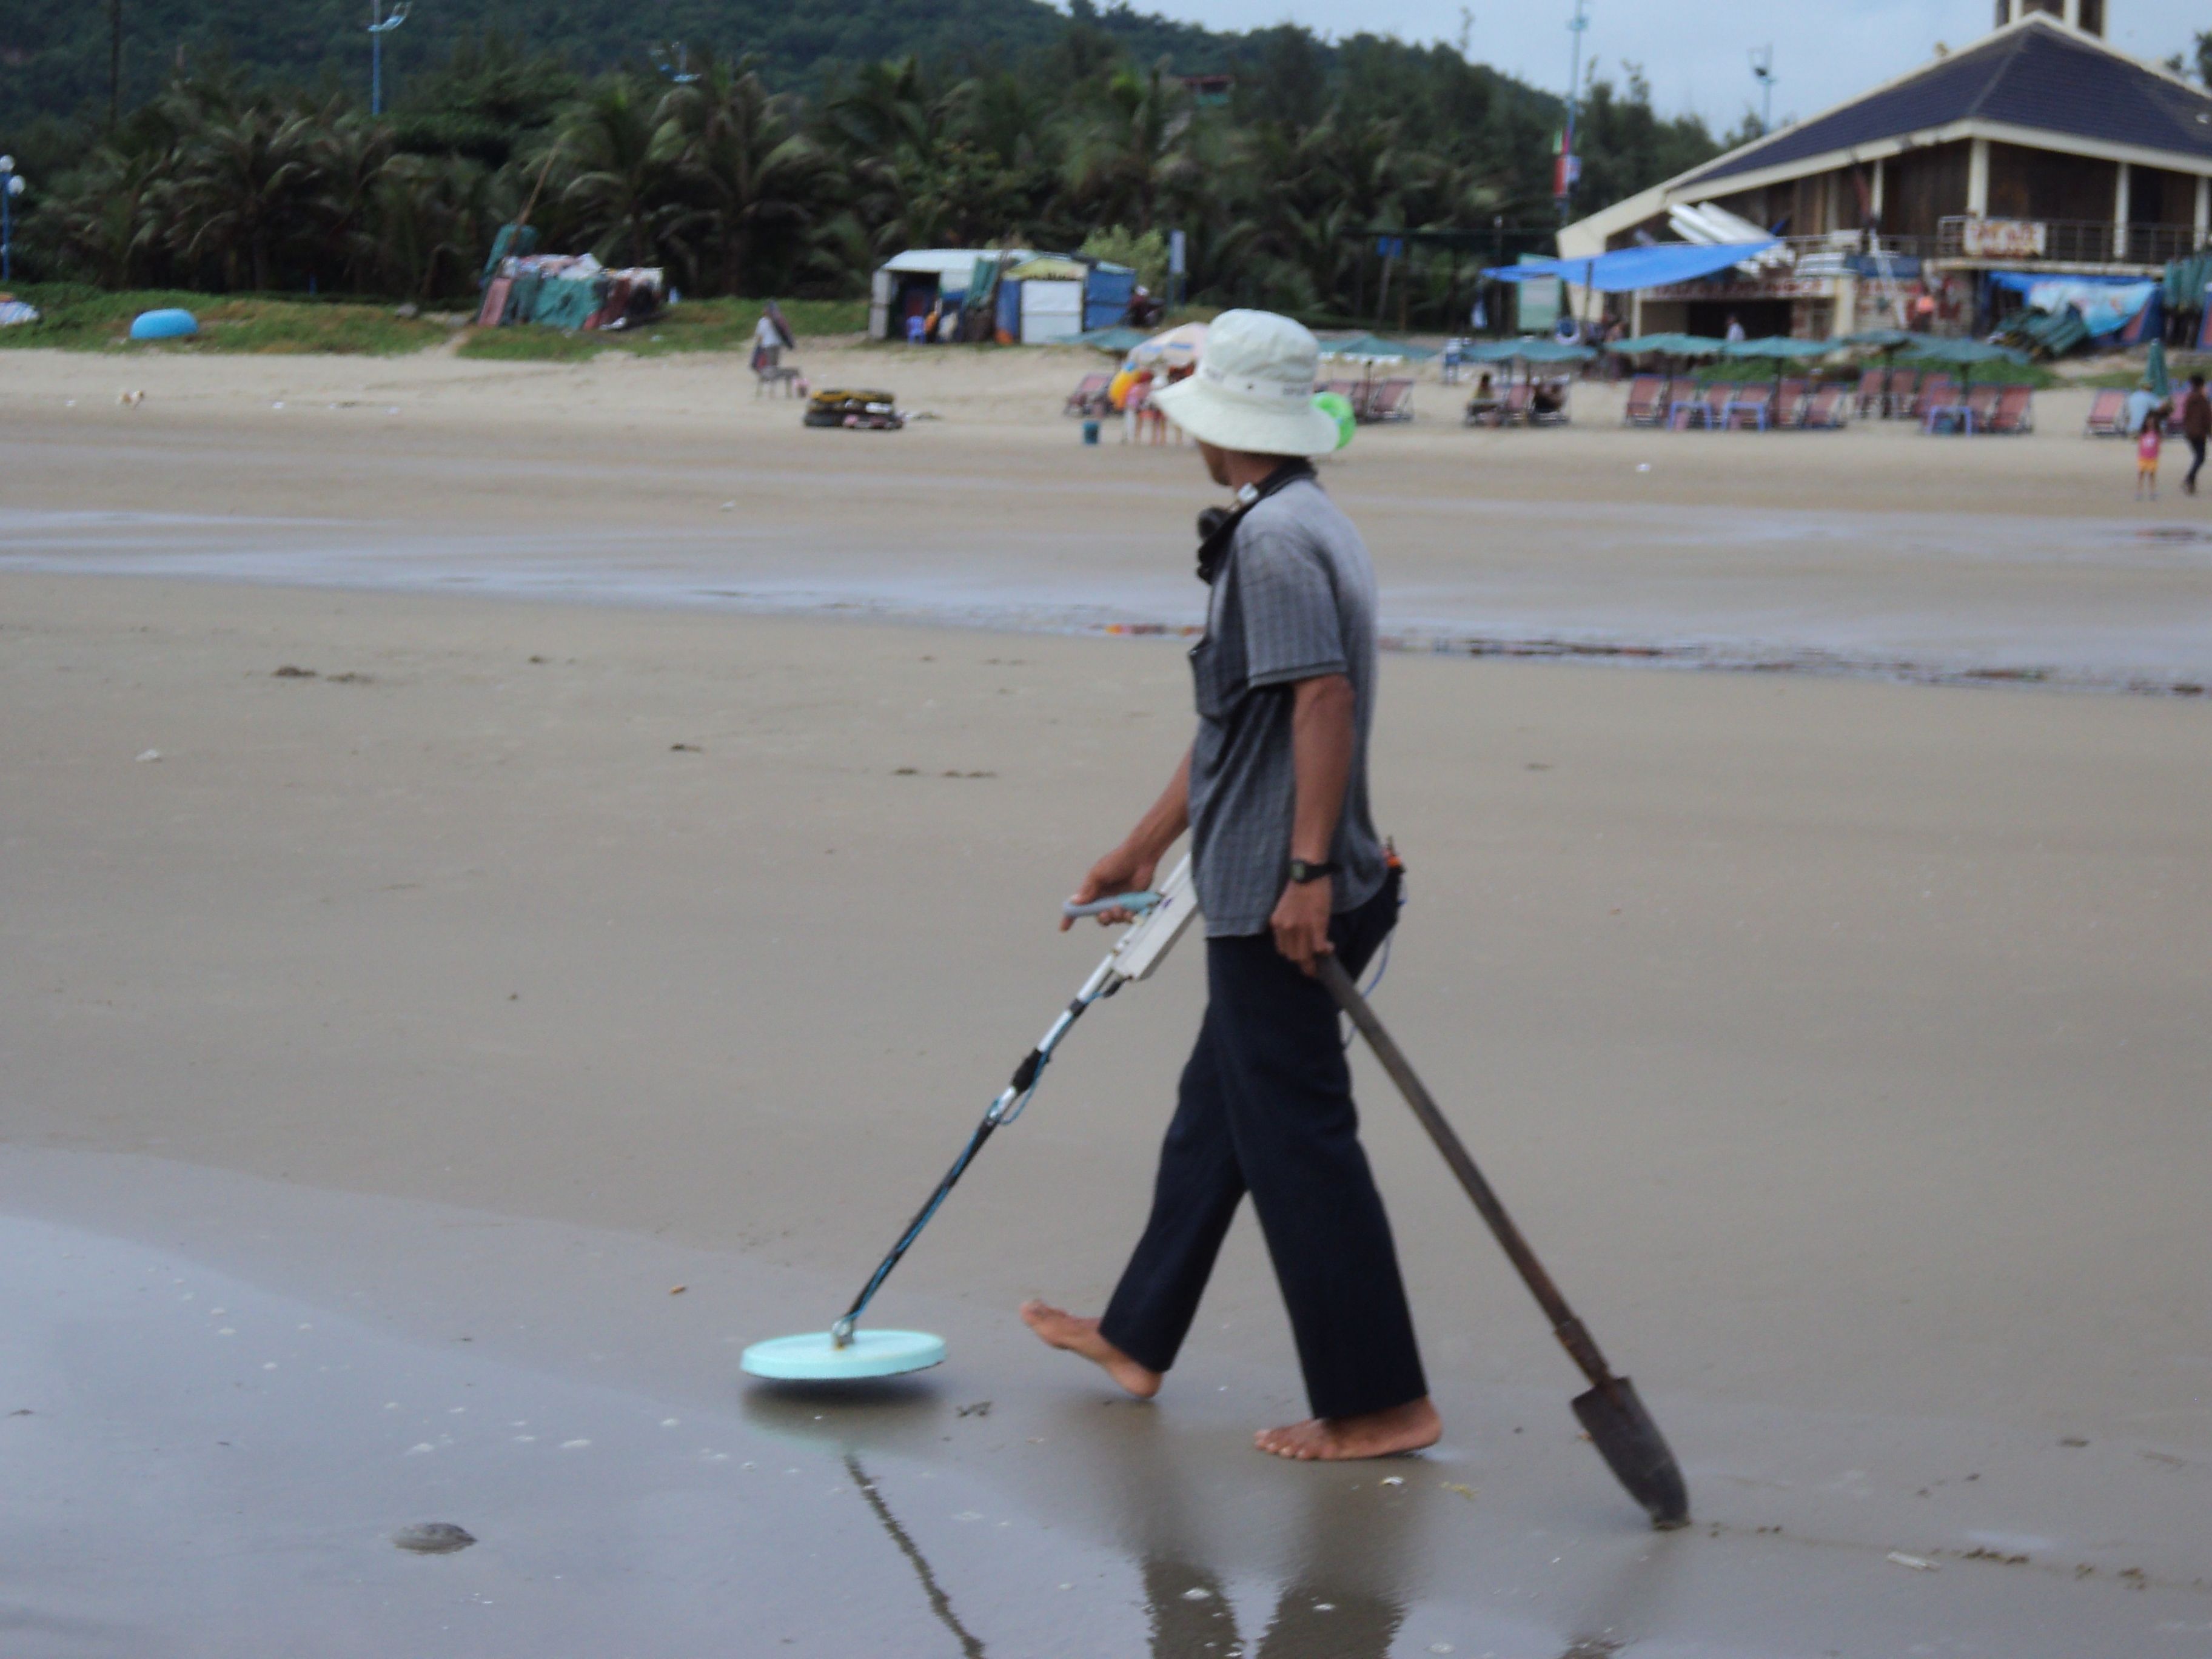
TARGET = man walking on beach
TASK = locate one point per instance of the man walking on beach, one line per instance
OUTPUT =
(1289, 868)
(2196, 428)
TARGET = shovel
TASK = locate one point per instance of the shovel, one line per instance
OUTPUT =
(1618, 1425)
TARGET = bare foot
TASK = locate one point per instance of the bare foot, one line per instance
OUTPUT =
(1375, 1434)
(1080, 1336)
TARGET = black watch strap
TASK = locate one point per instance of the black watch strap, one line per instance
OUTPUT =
(1301, 872)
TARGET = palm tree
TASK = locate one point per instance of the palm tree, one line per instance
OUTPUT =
(1134, 146)
(239, 195)
(620, 185)
(747, 178)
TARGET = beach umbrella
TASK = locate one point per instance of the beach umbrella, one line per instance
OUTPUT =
(1530, 351)
(1930, 350)
(1176, 349)
(2155, 374)
(1373, 349)
(1779, 346)
(1121, 339)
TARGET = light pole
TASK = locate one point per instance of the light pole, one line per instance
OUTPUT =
(1564, 184)
(1762, 70)
(11, 186)
(378, 27)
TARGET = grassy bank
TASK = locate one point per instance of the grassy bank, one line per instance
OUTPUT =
(76, 318)
(692, 325)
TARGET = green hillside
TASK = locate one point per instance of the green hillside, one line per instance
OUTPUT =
(54, 57)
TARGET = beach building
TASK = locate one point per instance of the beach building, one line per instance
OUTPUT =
(1018, 296)
(2039, 151)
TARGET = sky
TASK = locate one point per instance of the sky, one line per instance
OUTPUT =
(1696, 54)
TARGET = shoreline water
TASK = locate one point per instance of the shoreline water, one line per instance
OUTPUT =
(692, 568)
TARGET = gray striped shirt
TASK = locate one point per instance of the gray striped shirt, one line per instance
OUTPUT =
(1294, 600)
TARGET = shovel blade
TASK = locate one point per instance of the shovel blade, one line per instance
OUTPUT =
(1635, 1450)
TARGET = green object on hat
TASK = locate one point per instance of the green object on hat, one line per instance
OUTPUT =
(1337, 408)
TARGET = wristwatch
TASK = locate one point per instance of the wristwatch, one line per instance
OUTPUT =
(1301, 872)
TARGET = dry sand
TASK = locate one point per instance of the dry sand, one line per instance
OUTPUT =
(1840, 1041)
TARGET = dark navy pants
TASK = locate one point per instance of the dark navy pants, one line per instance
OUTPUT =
(1265, 1106)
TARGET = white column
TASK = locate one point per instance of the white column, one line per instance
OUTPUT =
(2122, 174)
(1978, 179)
(2073, 16)
(1881, 179)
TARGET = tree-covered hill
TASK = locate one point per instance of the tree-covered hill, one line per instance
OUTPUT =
(54, 54)
(788, 153)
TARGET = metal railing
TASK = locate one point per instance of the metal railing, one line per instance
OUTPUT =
(2083, 242)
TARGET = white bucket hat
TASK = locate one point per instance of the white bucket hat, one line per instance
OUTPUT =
(1254, 388)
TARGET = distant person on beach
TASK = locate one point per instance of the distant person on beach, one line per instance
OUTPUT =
(1289, 868)
(768, 345)
(1735, 334)
(2196, 428)
(2149, 440)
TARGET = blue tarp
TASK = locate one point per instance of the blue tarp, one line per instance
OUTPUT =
(2110, 306)
(1625, 270)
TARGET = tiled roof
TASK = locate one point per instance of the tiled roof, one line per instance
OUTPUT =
(2039, 73)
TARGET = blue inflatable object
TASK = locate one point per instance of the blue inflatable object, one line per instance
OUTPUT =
(164, 325)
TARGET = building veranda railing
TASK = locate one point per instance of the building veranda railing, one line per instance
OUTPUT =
(2064, 242)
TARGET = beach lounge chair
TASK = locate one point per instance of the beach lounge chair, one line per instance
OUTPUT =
(1982, 406)
(1904, 393)
(2108, 415)
(1750, 408)
(1513, 408)
(1391, 400)
(1089, 396)
(1647, 404)
(1937, 406)
(1873, 387)
(1559, 414)
(1790, 400)
(2014, 412)
(1825, 409)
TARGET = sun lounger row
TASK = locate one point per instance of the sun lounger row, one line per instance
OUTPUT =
(1728, 405)
(1987, 409)
(1374, 400)
(1521, 403)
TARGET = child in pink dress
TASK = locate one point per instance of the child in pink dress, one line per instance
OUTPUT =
(2148, 444)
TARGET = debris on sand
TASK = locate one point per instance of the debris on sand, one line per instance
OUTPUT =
(292, 670)
(151, 755)
(1913, 1561)
(432, 1538)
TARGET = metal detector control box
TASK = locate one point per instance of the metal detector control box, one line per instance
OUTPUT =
(1153, 934)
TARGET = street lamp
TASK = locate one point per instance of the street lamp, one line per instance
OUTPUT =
(1568, 166)
(11, 186)
(1762, 70)
(378, 27)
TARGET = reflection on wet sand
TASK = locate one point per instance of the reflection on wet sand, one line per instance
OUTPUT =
(1192, 1618)
(1342, 1595)
(940, 1603)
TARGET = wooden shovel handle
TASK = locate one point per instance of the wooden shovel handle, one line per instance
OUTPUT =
(1568, 1328)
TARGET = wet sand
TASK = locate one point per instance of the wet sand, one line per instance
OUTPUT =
(1873, 550)
(1839, 1041)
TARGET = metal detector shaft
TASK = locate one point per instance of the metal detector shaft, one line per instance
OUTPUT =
(1137, 952)
(1007, 1107)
